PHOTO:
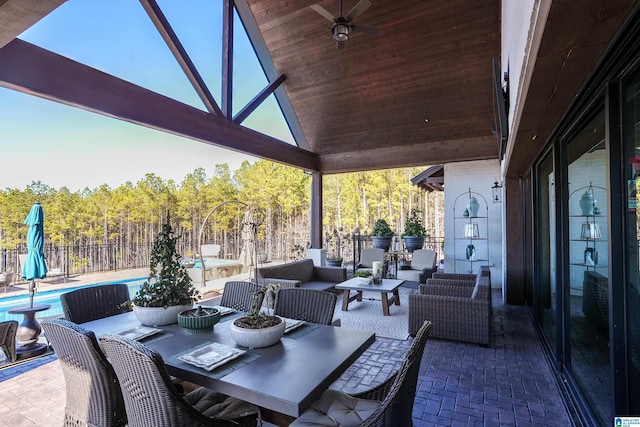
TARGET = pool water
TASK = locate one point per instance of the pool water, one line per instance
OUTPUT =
(53, 298)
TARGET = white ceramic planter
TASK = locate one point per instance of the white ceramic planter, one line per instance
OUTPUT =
(257, 338)
(158, 316)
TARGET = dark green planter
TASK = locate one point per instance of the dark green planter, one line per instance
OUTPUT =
(333, 263)
(382, 242)
(412, 243)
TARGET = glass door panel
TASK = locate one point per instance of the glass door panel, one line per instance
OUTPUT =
(588, 265)
(546, 254)
(631, 129)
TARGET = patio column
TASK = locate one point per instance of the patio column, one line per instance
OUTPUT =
(316, 210)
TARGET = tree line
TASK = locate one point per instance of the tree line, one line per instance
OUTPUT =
(133, 213)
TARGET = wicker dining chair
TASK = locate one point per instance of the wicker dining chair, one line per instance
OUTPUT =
(8, 330)
(240, 296)
(93, 392)
(95, 302)
(151, 398)
(310, 305)
(390, 404)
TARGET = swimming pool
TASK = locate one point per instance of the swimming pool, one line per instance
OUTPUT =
(53, 297)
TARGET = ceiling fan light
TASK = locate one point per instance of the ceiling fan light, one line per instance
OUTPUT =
(340, 32)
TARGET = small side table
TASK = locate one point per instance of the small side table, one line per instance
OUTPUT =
(29, 331)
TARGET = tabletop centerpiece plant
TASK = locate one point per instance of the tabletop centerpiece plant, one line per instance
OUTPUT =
(414, 231)
(168, 289)
(382, 234)
(258, 328)
(365, 276)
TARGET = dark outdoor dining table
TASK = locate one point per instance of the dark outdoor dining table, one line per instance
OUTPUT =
(286, 377)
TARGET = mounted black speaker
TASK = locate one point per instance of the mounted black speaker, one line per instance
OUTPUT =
(500, 108)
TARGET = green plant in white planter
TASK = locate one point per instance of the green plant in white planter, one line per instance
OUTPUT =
(414, 231)
(169, 289)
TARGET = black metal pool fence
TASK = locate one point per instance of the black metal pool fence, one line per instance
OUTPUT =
(86, 259)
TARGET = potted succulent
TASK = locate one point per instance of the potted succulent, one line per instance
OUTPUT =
(168, 290)
(382, 235)
(258, 328)
(365, 276)
(199, 318)
(414, 231)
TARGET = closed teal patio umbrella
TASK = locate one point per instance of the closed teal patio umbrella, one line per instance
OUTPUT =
(35, 266)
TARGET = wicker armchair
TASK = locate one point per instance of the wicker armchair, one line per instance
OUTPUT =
(388, 405)
(8, 331)
(459, 311)
(309, 305)
(239, 296)
(93, 392)
(95, 302)
(151, 398)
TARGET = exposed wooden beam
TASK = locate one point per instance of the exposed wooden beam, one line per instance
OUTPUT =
(258, 99)
(227, 58)
(172, 41)
(410, 155)
(30, 69)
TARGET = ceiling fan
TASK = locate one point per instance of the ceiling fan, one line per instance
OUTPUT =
(342, 25)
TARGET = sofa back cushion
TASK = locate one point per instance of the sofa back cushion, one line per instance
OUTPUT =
(297, 270)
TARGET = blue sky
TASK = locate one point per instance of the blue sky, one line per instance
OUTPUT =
(77, 149)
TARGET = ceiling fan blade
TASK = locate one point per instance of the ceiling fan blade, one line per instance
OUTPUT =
(357, 10)
(322, 11)
(365, 29)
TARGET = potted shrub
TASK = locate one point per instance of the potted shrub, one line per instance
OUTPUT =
(257, 328)
(168, 290)
(382, 235)
(335, 259)
(414, 231)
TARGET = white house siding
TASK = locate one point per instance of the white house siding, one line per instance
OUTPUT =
(479, 177)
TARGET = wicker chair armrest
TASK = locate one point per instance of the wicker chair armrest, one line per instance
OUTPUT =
(451, 291)
(471, 319)
(455, 276)
(379, 392)
(451, 282)
(330, 274)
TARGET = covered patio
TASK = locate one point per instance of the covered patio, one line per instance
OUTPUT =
(442, 82)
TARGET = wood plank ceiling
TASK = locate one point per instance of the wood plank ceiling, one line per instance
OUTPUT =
(417, 93)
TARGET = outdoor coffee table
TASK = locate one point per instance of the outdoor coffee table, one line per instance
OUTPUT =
(387, 285)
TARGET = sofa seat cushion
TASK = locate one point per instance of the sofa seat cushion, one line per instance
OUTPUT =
(319, 285)
(335, 409)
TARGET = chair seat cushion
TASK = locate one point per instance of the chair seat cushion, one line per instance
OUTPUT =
(218, 405)
(334, 408)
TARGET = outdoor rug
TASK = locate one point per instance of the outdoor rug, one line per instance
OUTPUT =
(366, 315)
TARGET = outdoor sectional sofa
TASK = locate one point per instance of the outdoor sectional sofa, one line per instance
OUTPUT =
(459, 308)
(302, 274)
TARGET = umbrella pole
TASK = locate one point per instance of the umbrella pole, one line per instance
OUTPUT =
(32, 289)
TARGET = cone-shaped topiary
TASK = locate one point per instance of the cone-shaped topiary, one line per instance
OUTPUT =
(169, 283)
